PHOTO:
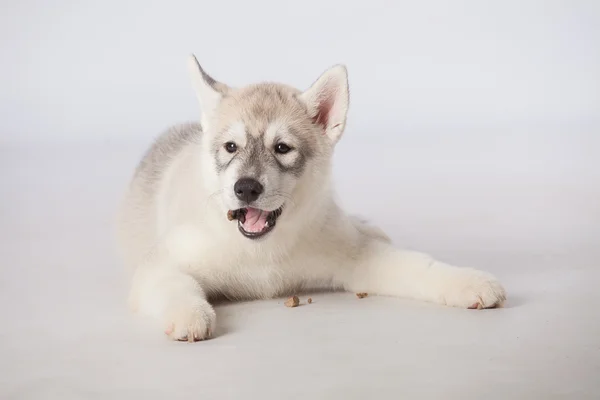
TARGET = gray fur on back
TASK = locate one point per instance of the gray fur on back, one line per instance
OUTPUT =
(164, 149)
(137, 222)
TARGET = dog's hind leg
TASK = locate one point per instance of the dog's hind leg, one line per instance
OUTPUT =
(369, 230)
(385, 270)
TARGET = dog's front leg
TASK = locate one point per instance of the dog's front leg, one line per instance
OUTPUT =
(161, 290)
(386, 270)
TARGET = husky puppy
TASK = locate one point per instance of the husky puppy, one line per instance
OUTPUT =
(241, 206)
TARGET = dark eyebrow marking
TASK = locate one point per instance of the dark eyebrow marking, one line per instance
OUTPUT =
(296, 168)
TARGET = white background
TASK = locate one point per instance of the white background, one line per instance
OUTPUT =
(473, 134)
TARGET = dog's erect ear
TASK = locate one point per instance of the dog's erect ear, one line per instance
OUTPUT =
(327, 101)
(208, 91)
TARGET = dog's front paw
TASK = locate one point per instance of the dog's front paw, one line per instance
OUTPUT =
(190, 321)
(470, 288)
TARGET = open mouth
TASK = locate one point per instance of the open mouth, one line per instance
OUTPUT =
(253, 222)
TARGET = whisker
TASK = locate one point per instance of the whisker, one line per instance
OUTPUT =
(212, 196)
(274, 195)
(286, 196)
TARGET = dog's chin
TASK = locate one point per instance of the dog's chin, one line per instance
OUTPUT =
(255, 223)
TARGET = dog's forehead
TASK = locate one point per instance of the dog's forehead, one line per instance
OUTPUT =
(262, 108)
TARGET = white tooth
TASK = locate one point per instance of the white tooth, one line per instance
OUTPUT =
(267, 224)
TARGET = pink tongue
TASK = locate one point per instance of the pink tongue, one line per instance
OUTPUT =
(255, 220)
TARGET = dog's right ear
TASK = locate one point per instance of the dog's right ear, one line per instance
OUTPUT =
(208, 91)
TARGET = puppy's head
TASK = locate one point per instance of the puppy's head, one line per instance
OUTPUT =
(267, 145)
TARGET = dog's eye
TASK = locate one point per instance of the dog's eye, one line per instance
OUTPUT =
(231, 147)
(282, 148)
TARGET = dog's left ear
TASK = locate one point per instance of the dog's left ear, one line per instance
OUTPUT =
(327, 101)
(208, 91)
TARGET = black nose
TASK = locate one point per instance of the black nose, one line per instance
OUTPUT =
(247, 189)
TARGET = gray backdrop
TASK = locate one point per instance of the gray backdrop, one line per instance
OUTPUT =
(473, 134)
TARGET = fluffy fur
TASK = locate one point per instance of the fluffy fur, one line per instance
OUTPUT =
(183, 251)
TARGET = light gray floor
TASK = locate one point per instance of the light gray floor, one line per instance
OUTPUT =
(66, 334)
